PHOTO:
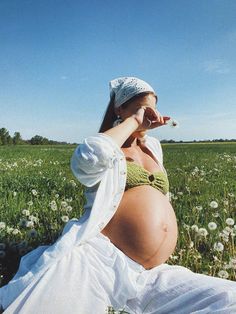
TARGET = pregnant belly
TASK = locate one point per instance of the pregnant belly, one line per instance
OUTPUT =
(144, 226)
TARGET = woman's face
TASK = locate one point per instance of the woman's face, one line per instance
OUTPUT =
(146, 101)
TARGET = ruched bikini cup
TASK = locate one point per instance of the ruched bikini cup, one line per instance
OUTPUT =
(137, 175)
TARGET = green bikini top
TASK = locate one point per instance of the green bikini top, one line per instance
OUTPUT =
(137, 175)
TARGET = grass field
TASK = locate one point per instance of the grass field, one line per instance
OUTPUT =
(39, 194)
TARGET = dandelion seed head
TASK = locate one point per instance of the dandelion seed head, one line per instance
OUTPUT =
(33, 218)
(63, 204)
(29, 224)
(15, 231)
(213, 204)
(25, 212)
(223, 274)
(73, 183)
(194, 228)
(229, 221)
(2, 225)
(198, 208)
(69, 208)
(9, 230)
(53, 205)
(202, 232)
(212, 225)
(173, 123)
(218, 246)
(64, 218)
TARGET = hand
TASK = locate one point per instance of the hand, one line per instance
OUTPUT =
(149, 118)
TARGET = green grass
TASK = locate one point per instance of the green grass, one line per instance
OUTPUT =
(38, 179)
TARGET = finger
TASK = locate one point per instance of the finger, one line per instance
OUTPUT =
(152, 114)
(166, 119)
(155, 114)
(158, 116)
(142, 111)
(155, 124)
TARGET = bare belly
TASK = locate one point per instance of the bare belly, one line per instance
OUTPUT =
(144, 226)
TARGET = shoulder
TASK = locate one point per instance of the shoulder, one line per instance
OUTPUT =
(152, 140)
(154, 144)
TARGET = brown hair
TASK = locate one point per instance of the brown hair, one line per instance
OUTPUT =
(110, 115)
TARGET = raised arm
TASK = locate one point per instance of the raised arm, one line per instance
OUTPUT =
(140, 120)
(97, 153)
(122, 132)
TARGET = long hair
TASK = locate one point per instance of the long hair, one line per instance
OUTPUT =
(110, 115)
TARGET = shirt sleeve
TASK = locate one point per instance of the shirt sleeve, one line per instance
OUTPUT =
(160, 152)
(156, 146)
(159, 148)
(93, 157)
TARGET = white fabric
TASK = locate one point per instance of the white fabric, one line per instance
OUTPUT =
(97, 274)
(80, 271)
(124, 88)
(99, 164)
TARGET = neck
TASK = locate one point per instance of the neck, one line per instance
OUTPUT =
(134, 142)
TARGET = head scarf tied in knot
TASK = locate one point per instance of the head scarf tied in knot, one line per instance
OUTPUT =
(124, 88)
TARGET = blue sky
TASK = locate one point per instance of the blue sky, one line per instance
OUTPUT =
(57, 58)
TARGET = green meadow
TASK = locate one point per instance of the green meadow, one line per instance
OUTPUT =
(39, 194)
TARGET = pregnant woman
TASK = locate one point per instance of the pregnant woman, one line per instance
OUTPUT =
(116, 253)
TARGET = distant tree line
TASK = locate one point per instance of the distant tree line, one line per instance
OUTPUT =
(200, 141)
(16, 139)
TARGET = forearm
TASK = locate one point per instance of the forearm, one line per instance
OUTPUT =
(95, 154)
(122, 132)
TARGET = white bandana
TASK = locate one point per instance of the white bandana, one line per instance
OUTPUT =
(125, 88)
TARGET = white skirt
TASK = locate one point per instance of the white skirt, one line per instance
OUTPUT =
(95, 275)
